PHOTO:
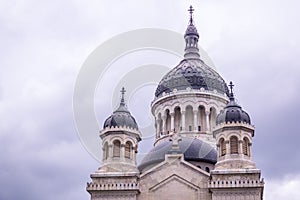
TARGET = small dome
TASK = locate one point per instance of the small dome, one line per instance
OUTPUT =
(192, 73)
(232, 112)
(192, 148)
(121, 116)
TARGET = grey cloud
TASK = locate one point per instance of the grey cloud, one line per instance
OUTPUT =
(41, 156)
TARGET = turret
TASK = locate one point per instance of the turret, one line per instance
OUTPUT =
(191, 37)
(120, 136)
(234, 134)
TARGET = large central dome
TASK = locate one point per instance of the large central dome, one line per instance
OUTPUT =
(192, 73)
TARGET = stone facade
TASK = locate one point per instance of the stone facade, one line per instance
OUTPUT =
(203, 141)
(174, 179)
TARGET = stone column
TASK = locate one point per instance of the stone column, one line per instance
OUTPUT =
(227, 147)
(172, 122)
(240, 146)
(250, 150)
(134, 152)
(219, 150)
(164, 123)
(207, 120)
(158, 128)
(195, 120)
(110, 152)
(183, 120)
(103, 153)
(122, 152)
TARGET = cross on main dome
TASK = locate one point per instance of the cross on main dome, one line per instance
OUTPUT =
(191, 10)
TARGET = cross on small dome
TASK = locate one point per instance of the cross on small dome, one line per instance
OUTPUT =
(231, 87)
(123, 94)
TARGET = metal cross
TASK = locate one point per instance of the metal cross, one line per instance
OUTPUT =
(231, 87)
(191, 10)
(123, 92)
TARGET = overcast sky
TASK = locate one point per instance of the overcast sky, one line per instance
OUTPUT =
(254, 43)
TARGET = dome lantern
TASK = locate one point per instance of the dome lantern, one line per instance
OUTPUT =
(191, 37)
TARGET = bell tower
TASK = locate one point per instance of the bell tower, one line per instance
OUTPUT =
(235, 175)
(117, 177)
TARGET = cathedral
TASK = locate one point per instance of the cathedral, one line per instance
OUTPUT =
(203, 140)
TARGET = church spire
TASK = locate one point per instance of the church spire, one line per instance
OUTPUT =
(122, 106)
(191, 10)
(122, 96)
(231, 96)
(191, 37)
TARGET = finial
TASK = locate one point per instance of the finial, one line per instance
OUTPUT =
(122, 97)
(191, 10)
(191, 37)
(231, 89)
(175, 138)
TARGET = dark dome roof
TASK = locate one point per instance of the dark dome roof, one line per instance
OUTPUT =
(121, 116)
(233, 113)
(191, 30)
(192, 148)
(193, 73)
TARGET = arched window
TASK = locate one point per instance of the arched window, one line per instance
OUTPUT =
(128, 148)
(201, 118)
(212, 117)
(189, 118)
(207, 169)
(234, 147)
(105, 151)
(116, 148)
(168, 121)
(222, 147)
(177, 119)
(246, 146)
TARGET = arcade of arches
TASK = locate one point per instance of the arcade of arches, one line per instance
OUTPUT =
(188, 120)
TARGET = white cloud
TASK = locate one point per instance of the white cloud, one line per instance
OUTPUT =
(286, 188)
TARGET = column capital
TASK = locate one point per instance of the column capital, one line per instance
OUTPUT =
(207, 112)
(122, 145)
